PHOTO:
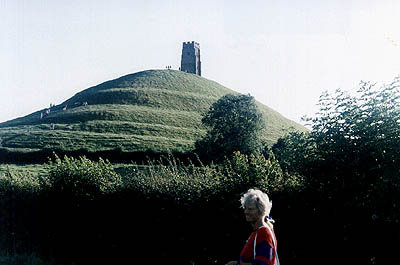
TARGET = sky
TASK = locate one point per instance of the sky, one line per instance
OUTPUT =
(285, 53)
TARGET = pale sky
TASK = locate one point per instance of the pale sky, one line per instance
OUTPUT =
(285, 53)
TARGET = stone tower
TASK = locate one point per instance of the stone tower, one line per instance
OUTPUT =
(190, 62)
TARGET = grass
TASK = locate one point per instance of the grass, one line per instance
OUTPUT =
(94, 141)
(155, 110)
(22, 170)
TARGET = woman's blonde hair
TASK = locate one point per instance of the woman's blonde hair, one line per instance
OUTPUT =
(260, 199)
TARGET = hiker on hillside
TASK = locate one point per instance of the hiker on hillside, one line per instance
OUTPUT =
(260, 248)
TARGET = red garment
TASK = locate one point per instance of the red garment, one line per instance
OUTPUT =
(265, 247)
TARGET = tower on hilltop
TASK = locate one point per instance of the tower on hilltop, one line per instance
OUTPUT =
(190, 61)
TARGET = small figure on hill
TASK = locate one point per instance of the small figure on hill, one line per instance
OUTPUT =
(260, 248)
(84, 103)
(52, 126)
(45, 113)
(65, 107)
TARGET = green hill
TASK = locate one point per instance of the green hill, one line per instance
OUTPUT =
(155, 110)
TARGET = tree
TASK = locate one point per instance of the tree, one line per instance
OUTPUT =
(360, 132)
(234, 123)
(351, 163)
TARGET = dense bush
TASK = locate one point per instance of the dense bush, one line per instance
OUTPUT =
(169, 177)
(257, 171)
(351, 162)
(197, 208)
(81, 177)
(155, 209)
(180, 181)
(19, 185)
(18, 195)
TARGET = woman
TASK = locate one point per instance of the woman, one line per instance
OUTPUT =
(260, 248)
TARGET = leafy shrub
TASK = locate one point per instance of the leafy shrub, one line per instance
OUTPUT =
(18, 194)
(19, 184)
(81, 177)
(257, 171)
(353, 149)
(169, 177)
(184, 198)
(87, 208)
(351, 165)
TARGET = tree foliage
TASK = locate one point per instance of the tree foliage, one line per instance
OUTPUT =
(234, 123)
(351, 159)
(357, 137)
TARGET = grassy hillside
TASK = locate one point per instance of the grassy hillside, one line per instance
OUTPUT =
(155, 110)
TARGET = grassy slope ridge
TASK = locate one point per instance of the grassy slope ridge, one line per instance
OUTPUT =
(154, 110)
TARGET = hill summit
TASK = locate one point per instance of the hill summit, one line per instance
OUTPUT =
(156, 110)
